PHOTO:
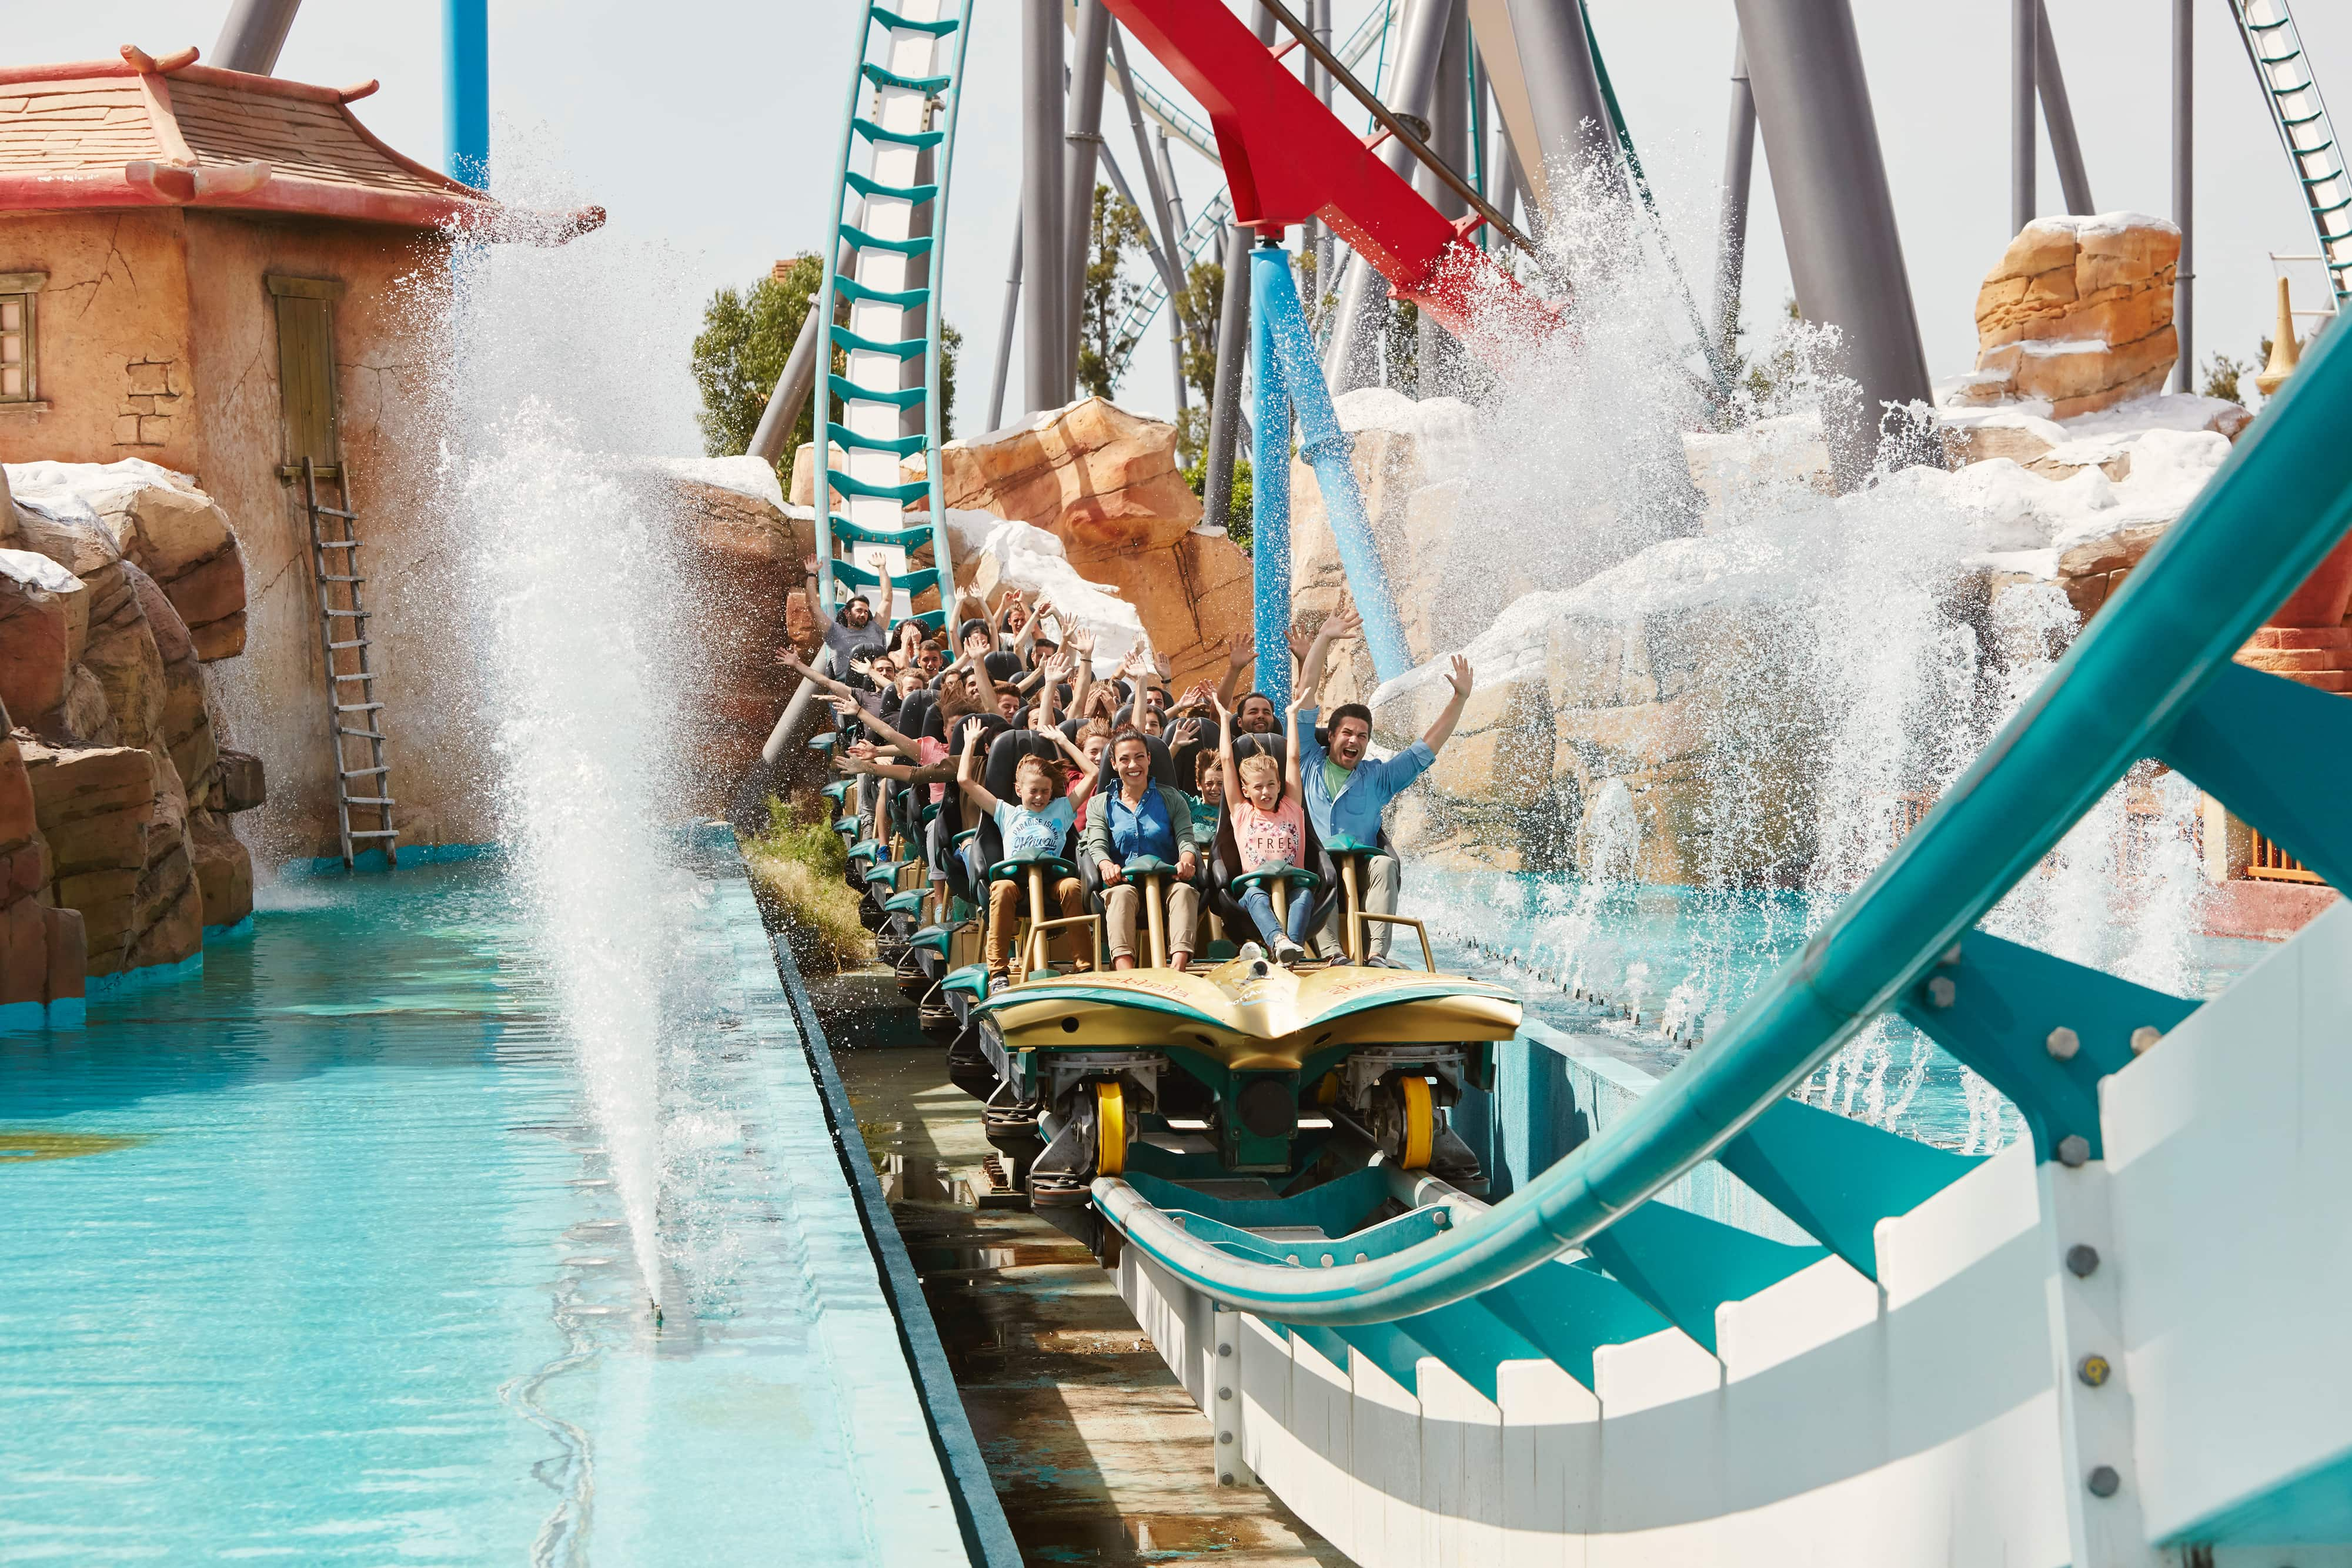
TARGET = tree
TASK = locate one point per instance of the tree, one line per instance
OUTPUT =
(748, 335)
(1109, 293)
(1203, 300)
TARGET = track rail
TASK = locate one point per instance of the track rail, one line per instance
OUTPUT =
(2151, 677)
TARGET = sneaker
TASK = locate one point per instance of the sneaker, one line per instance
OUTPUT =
(1379, 961)
(1289, 954)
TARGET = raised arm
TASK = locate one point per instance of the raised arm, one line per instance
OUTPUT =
(1442, 730)
(1225, 768)
(1238, 654)
(882, 610)
(975, 659)
(1341, 622)
(1080, 644)
(973, 789)
(1291, 774)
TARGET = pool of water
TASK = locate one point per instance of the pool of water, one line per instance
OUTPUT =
(1685, 959)
(314, 1257)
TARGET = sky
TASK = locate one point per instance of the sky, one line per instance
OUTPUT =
(712, 127)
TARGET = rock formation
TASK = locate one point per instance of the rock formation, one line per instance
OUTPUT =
(740, 559)
(2077, 313)
(127, 798)
(1105, 483)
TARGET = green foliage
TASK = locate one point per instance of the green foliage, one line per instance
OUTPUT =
(745, 339)
(1109, 292)
(1404, 348)
(748, 335)
(1237, 518)
(2221, 373)
(798, 861)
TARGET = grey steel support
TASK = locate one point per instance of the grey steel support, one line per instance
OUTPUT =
(1159, 264)
(1318, 234)
(1829, 182)
(1449, 137)
(1564, 100)
(254, 34)
(914, 372)
(1044, 363)
(798, 379)
(1005, 330)
(789, 394)
(1738, 179)
(2058, 115)
(1170, 246)
(1363, 293)
(1226, 406)
(2184, 187)
(1090, 58)
(1168, 179)
(2024, 49)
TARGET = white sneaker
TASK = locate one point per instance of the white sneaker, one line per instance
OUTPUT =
(1289, 954)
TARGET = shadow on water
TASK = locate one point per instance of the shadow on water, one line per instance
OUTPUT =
(423, 983)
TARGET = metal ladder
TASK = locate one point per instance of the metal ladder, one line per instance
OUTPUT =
(2274, 46)
(894, 238)
(350, 679)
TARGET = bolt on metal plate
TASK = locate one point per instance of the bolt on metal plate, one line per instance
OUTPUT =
(2104, 1481)
(2073, 1151)
(1941, 992)
(2081, 1259)
(2063, 1043)
(2144, 1036)
(2094, 1371)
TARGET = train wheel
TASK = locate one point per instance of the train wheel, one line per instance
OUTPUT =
(1420, 1123)
(1111, 1127)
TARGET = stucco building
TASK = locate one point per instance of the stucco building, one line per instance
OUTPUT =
(225, 274)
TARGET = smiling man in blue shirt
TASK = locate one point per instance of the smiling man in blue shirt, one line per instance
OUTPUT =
(1347, 792)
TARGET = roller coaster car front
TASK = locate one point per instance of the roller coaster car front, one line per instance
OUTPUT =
(1252, 1045)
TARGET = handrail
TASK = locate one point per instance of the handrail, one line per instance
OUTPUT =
(2279, 504)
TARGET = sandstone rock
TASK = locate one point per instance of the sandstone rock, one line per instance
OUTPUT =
(167, 922)
(163, 522)
(44, 625)
(186, 727)
(122, 653)
(1105, 483)
(240, 784)
(741, 560)
(223, 868)
(802, 489)
(96, 808)
(2078, 313)
(2092, 571)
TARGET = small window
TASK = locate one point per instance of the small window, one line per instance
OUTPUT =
(19, 293)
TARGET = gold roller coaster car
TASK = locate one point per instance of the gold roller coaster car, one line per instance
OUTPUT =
(1242, 1054)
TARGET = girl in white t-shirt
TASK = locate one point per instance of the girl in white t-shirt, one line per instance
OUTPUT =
(1264, 802)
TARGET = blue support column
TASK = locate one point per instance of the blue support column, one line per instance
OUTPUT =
(465, 90)
(1283, 336)
(1270, 474)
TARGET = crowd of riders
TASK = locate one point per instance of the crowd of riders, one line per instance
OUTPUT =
(1013, 749)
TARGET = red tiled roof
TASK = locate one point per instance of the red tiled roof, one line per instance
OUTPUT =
(142, 131)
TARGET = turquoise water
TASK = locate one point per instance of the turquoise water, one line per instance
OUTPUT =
(314, 1258)
(1686, 959)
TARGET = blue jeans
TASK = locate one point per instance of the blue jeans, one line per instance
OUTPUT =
(1260, 905)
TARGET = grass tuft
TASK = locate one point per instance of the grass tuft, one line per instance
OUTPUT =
(798, 860)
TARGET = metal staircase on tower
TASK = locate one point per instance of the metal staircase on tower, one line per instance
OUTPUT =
(354, 712)
(891, 216)
(2291, 88)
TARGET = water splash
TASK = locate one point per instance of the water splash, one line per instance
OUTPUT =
(1827, 664)
(551, 376)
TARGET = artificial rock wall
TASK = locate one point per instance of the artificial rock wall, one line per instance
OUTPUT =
(119, 584)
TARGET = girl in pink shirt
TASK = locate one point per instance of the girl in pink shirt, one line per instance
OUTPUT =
(1264, 797)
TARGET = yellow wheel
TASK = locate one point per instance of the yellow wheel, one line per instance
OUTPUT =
(1420, 1123)
(1111, 1127)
